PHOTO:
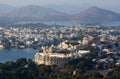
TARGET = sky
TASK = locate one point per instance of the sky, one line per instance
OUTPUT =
(72, 2)
(108, 4)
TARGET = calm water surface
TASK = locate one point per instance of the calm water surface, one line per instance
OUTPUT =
(13, 54)
(71, 23)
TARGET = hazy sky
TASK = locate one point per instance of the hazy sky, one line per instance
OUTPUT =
(108, 4)
(72, 2)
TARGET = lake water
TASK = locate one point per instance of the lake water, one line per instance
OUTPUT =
(71, 23)
(13, 54)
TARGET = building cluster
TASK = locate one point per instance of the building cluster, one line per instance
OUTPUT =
(63, 53)
(59, 44)
(35, 35)
(104, 40)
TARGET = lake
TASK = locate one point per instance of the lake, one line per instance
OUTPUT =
(71, 23)
(13, 54)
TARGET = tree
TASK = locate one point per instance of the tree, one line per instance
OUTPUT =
(92, 75)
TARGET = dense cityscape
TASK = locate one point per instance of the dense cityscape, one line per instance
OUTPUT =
(74, 52)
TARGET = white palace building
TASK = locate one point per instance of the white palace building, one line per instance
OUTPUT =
(62, 54)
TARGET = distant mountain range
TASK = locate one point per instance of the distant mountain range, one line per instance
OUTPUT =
(38, 13)
(4, 8)
(97, 15)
